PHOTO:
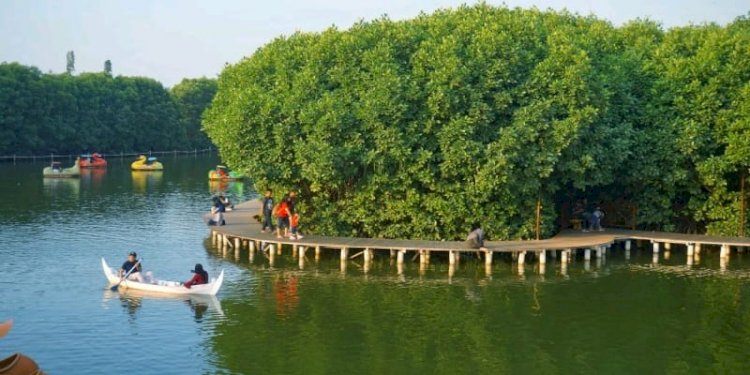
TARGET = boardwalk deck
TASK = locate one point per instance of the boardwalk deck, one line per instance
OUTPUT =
(242, 229)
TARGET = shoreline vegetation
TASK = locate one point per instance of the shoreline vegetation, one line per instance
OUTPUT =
(417, 128)
(46, 113)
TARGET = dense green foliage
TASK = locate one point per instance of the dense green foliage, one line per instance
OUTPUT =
(418, 128)
(61, 113)
(193, 96)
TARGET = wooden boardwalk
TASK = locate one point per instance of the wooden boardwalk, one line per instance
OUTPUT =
(243, 231)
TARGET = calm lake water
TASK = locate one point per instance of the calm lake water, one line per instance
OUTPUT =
(611, 317)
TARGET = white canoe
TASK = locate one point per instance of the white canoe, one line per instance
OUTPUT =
(165, 287)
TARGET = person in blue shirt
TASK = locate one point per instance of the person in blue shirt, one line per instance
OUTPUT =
(129, 264)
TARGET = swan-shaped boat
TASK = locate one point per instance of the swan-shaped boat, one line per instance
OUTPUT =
(57, 171)
(144, 163)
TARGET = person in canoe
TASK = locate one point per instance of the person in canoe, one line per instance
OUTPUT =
(200, 277)
(129, 264)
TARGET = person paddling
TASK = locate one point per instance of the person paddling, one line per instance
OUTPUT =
(129, 264)
(200, 277)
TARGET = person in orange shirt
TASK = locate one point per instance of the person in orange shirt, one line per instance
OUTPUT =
(283, 214)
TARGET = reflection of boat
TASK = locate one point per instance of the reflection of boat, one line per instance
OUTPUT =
(94, 175)
(61, 186)
(165, 287)
(198, 303)
(144, 163)
(94, 160)
(142, 180)
(220, 186)
(57, 171)
(222, 173)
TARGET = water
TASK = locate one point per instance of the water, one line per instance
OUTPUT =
(617, 316)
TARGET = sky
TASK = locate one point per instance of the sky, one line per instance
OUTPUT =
(174, 39)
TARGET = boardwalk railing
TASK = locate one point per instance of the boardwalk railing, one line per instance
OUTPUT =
(53, 156)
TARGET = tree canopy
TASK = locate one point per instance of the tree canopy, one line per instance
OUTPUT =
(418, 128)
(62, 113)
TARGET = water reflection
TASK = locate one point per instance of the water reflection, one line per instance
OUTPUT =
(62, 187)
(93, 177)
(144, 181)
(132, 301)
(236, 188)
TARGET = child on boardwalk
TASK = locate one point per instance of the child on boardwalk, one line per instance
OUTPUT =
(295, 227)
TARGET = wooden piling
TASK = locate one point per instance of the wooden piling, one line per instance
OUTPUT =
(344, 254)
(451, 257)
(542, 257)
(400, 256)
(522, 257)
(488, 257)
(656, 247)
(627, 245)
(724, 251)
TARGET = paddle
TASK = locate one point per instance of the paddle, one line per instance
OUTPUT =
(135, 266)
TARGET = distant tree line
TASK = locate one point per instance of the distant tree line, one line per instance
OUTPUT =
(65, 113)
(418, 128)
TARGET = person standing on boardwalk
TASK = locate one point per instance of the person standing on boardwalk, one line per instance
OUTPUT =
(292, 202)
(283, 213)
(596, 219)
(267, 211)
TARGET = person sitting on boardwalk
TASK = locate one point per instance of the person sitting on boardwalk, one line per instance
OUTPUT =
(282, 214)
(475, 239)
(294, 224)
(217, 213)
(130, 264)
(267, 212)
(200, 277)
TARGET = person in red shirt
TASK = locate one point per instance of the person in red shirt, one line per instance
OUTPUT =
(282, 214)
(200, 277)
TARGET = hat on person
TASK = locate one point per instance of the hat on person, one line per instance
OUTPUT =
(198, 268)
(133, 253)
